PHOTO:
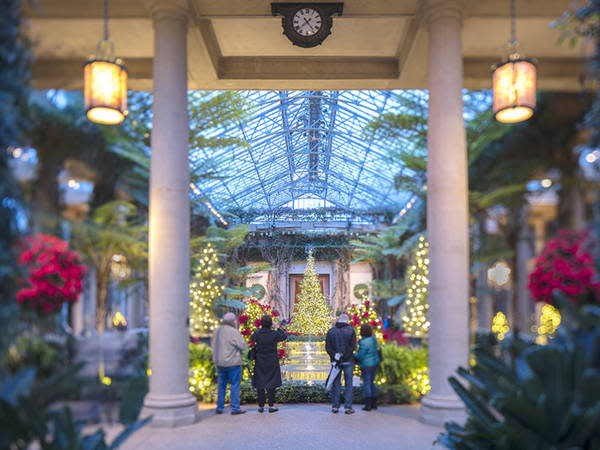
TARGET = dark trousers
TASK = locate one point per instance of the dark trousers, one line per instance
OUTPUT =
(261, 396)
(348, 371)
(368, 374)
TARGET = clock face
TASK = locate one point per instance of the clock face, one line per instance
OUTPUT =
(307, 22)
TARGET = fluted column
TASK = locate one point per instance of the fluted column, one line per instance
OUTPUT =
(447, 211)
(169, 400)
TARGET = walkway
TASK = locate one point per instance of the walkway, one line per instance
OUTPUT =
(294, 427)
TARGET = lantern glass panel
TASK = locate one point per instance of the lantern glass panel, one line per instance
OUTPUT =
(105, 92)
(514, 88)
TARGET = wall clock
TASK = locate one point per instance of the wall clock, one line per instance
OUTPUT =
(307, 24)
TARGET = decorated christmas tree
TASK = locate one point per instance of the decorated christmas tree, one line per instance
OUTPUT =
(204, 290)
(312, 314)
(415, 319)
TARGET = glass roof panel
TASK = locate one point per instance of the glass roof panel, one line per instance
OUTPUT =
(308, 150)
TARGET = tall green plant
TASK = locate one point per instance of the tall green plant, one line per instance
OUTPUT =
(227, 241)
(113, 228)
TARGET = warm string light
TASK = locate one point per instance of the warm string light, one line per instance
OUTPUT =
(549, 322)
(209, 205)
(407, 207)
(204, 290)
(119, 320)
(419, 381)
(415, 320)
(312, 314)
(199, 380)
(500, 325)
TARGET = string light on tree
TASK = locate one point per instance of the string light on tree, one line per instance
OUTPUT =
(549, 322)
(312, 314)
(500, 325)
(204, 290)
(415, 320)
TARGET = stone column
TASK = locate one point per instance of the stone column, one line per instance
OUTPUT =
(169, 400)
(447, 211)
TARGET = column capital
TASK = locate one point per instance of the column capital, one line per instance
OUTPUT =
(433, 10)
(175, 9)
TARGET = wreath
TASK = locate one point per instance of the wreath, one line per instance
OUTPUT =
(361, 291)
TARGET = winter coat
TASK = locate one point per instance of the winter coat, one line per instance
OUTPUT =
(341, 339)
(227, 346)
(367, 352)
(267, 374)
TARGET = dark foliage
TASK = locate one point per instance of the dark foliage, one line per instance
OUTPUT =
(27, 415)
(14, 76)
(528, 396)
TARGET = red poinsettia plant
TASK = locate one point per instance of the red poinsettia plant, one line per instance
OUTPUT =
(565, 265)
(395, 336)
(250, 321)
(54, 274)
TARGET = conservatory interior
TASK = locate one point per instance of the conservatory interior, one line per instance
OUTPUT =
(360, 176)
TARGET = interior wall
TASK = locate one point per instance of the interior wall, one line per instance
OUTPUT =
(360, 273)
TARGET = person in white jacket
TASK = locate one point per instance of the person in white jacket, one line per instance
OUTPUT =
(227, 346)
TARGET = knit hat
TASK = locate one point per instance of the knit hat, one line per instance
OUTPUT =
(343, 318)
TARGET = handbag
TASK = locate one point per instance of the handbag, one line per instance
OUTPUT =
(252, 354)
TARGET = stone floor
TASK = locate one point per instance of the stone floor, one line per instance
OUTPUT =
(298, 426)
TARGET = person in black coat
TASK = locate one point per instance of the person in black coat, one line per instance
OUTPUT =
(267, 373)
(340, 343)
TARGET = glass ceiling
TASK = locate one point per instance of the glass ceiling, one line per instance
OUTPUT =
(306, 150)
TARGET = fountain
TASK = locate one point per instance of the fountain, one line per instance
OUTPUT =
(307, 361)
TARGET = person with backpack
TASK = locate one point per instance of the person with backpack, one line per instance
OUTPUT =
(340, 343)
(367, 357)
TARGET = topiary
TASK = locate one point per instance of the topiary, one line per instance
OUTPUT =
(534, 396)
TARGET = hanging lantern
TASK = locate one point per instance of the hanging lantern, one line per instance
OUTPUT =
(514, 88)
(514, 83)
(105, 83)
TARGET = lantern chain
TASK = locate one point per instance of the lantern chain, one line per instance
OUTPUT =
(513, 25)
(106, 20)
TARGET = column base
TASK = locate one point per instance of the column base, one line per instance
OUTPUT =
(170, 410)
(438, 409)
